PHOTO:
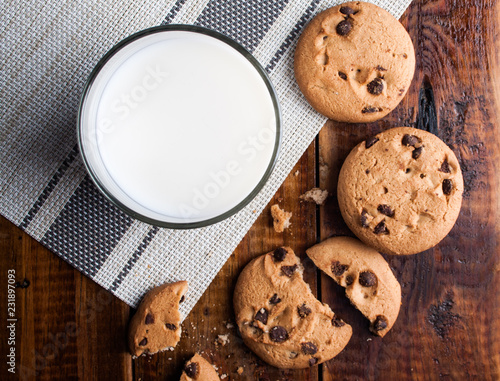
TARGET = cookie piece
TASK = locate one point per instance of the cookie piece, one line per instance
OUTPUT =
(401, 190)
(197, 368)
(281, 219)
(280, 319)
(156, 324)
(368, 280)
(354, 62)
(315, 195)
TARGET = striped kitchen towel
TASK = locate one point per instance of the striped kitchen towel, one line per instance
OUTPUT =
(48, 50)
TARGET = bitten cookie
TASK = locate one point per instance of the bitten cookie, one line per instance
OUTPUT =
(354, 62)
(280, 319)
(197, 368)
(401, 190)
(368, 280)
(156, 324)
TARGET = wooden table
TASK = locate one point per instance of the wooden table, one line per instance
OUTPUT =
(448, 327)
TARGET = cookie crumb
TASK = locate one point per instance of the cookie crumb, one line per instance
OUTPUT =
(223, 339)
(223, 376)
(281, 219)
(315, 195)
(296, 173)
(239, 370)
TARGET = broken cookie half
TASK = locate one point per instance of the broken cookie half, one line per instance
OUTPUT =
(368, 280)
(280, 319)
(156, 326)
(197, 368)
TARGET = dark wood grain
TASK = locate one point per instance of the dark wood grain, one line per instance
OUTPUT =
(449, 326)
(68, 327)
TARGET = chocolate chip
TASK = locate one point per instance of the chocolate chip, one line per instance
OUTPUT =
(171, 327)
(192, 370)
(416, 153)
(371, 141)
(343, 75)
(447, 186)
(380, 68)
(149, 319)
(24, 284)
(349, 280)
(445, 167)
(313, 361)
(288, 270)
(182, 299)
(370, 110)
(143, 342)
(344, 27)
(380, 323)
(274, 299)
(309, 348)
(385, 209)
(381, 228)
(347, 10)
(367, 279)
(338, 269)
(364, 219)
(410, 140)
(401, 92)
(303, 310)
(375, 87)
(261, 316)
(279, 254)
(336, 322)
(278, 334)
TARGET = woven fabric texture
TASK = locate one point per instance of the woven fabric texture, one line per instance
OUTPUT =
(48, 50)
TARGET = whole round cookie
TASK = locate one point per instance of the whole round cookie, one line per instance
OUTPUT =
(401, 190)
(354, 62)
(279, 318)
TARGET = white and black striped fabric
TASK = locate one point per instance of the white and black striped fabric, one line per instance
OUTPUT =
(48, 50)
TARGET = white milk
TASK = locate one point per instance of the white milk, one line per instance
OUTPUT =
(179, 127)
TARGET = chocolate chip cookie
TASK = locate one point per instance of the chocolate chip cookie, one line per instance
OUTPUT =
(156, 324)
(280, 319)
(197, 368)
(401, 190)
(354, 62)
(368, 280)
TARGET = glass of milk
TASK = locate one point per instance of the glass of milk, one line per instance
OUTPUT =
(179, 126)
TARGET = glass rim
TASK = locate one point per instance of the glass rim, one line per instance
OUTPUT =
(249, 57)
